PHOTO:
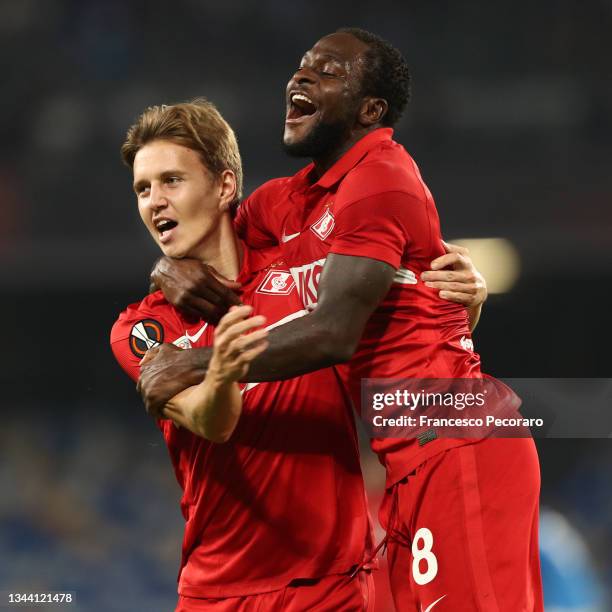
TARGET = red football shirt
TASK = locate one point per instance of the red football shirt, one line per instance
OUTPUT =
(372, 203)
(284, 497)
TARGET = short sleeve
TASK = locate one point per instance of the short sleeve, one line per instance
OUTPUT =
(379, 226)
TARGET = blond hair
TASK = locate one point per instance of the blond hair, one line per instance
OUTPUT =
(197, 125)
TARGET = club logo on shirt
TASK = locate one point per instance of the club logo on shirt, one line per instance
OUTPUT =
(145, 335)
(277, 283)
(324, 226)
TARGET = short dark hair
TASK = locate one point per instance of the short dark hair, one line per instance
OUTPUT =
(386, 73)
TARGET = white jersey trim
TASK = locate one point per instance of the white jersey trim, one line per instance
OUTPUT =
(289, 317)
(403, 276)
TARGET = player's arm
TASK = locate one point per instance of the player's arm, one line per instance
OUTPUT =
(173, 370)
(174, 364)
(212, 408)
(195, 288)
(198, 290)
(457, 280)
(371, 237)
(350, 289)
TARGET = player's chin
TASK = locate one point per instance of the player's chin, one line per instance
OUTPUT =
(292, 136)
(298, 131)
(295, 141)
(172, 250)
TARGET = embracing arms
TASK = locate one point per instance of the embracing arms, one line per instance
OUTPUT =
(212, 407)
(327, 336)
(198, 290)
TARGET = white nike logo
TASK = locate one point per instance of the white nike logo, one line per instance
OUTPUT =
(197, 335)
(288, 237)
(187, 340)
(430, 606)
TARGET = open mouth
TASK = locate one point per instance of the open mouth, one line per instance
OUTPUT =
(164, 226)
(300, 107)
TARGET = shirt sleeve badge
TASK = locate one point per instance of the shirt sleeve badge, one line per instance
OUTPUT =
(145, 335)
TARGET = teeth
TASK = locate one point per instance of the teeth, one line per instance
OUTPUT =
(299, 96)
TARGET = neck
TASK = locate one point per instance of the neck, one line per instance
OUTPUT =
(324, 162)
(222, 250)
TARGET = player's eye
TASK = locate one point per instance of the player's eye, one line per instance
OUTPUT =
(173, 180)
(330, 70)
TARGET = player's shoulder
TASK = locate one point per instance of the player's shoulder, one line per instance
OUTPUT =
(264, 201)
(153, 304)
(388, 167)
(153, 311)
(270, 189)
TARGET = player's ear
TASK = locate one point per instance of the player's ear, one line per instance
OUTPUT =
(227, 190)
(372, 111)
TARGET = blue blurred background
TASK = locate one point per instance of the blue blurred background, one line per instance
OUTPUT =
(511, 124)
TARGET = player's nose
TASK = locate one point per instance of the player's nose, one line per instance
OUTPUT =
(157, 199)
(302, 76)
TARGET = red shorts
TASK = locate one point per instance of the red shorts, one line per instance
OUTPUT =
(463, 531)
(329, 594)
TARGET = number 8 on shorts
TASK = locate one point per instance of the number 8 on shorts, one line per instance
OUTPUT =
(423, 553)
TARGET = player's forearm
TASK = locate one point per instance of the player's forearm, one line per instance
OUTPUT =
(210, 410)
(302, 346)
(350, 288)
(169, 372)
(199, 360)
(218, 410)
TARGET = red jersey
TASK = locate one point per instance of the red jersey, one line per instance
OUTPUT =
(283, 498)
(372, 203)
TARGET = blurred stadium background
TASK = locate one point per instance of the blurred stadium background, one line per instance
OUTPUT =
(511, 124)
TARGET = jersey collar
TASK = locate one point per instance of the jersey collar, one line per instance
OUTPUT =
(353, 156)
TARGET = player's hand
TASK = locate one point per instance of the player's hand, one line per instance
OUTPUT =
(237, 342)
(195, 288)
(167, 370)
(456, 277)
